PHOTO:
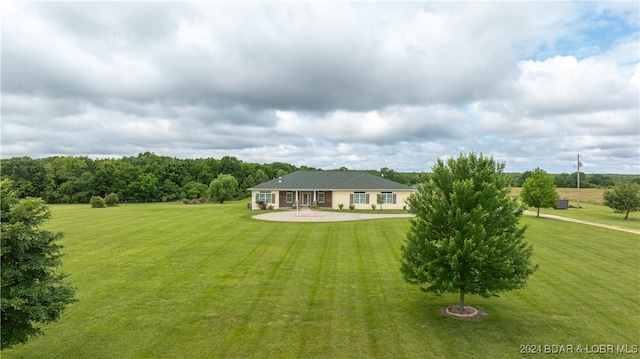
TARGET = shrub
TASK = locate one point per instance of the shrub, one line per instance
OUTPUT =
(373, 206)
(341, 205)
(194, 200)
(262, 205)
(352, 207)
(271, 207)
(97, 202)
(111, 199)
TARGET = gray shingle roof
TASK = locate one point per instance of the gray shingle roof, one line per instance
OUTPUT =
(330, 181)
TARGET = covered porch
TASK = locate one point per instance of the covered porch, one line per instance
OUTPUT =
(305, 199)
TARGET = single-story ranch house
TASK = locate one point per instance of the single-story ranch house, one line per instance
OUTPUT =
(330, 189)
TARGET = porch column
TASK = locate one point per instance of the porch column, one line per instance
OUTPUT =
(297, 204)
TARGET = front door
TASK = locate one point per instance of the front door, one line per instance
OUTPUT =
(305, 199)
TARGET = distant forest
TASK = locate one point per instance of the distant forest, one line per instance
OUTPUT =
(148, 177)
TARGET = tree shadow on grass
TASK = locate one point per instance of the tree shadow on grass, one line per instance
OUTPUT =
(504, 322)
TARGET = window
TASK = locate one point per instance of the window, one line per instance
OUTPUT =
(359, 198)
(289, 197)
(265, 197)
(388, 197)
(321, 197)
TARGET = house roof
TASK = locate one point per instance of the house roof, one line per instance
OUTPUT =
(331, 181)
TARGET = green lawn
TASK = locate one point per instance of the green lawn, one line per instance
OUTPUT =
(597, 213)
(208, 281)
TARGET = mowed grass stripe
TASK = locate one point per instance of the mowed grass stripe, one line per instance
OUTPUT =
(208, 281)
(181, 264)
(377, 275)
(588, 268)
(279, 268)
(318, 304)
(237, 276)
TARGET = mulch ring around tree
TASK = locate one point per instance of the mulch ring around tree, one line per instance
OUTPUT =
(469, 313)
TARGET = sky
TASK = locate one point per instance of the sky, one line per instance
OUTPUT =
(362, 85)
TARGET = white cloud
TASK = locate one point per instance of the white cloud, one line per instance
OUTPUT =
(564, 84)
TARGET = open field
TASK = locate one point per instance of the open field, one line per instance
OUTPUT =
(208, 281)
(587, 195)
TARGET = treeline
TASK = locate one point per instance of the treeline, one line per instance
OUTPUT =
(570, 180)
(146, 177)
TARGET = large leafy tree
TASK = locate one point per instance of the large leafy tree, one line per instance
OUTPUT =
(563, 180)
(523, 177)
(32, 290)
(115, 176)
(539, 190)
(259, 177)
(465, 237)
(223, 188)
(28, 175)
(624, 197)
(145, 188)
(232, 166)
(68, 180)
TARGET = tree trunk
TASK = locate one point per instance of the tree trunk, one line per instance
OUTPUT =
(461, 305)
(538, 215)
(627, 216)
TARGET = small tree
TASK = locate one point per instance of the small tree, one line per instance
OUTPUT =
(111, 199)
(380, 200)
(539, 190)
(465, 237)
(32, 291)
(97, 202)
(624, 197)
(223, 188)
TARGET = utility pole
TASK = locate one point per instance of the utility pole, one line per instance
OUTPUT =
(578, 177)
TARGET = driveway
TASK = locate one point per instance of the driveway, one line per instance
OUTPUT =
(610, 226)
(307, 215)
